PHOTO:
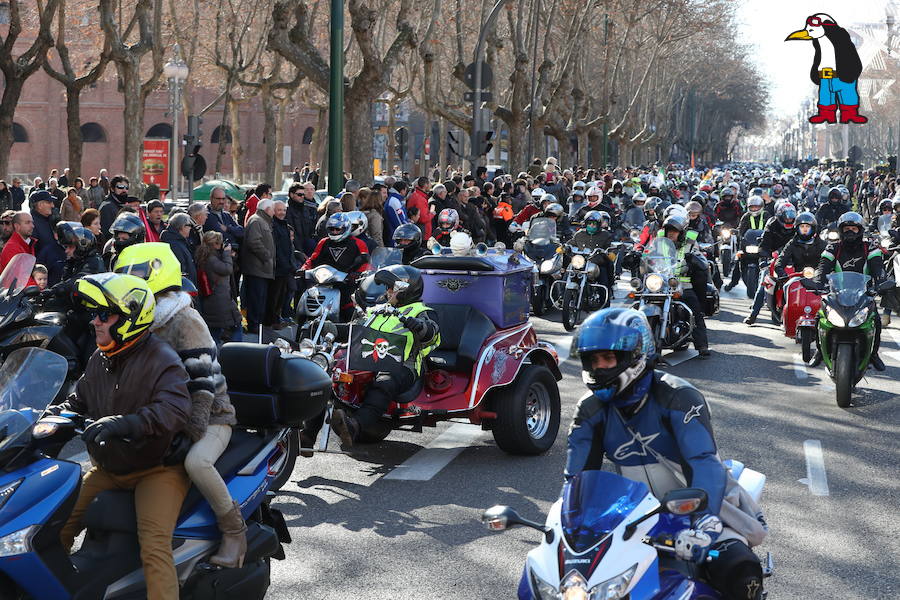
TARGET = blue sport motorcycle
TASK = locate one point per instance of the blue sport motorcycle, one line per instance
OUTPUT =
(609, 538)
(38, 489)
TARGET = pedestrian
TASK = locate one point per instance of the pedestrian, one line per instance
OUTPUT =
(301, 215)
(47, 249)
(95, 193)
(6, 226)
(18, 194)
(105, 183)
(216, 259)
(419, 200)
(64, 179)
(82, 192)
(114, 202)
(285, 267)
(371, 205)
(90, 218)
(257, 263)
(58, 195)
(176, 235)
(395, 210)
(6, 197)
(218, 219)
(199, 214)
(351, 202)
(71, 206)
(155, 224)
(20, 240)
(263, 191)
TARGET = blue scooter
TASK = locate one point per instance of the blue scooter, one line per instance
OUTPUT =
(38, 490)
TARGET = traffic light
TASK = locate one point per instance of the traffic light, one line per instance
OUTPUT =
(192, 137)
(454, 143)
(401, 136)
(483, 142)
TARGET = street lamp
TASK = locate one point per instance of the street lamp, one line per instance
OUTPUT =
(176, 73)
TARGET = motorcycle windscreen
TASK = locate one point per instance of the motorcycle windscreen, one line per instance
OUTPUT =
(17, 274)
(661, 257)
(594, 503)
(375, 351)
(884, 224)
(541, 231)
(29, 381)
(752, 237)
(848, 287)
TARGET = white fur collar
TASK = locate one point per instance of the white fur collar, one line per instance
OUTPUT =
(167, 306)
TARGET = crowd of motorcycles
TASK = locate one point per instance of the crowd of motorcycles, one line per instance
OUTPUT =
(493, 372)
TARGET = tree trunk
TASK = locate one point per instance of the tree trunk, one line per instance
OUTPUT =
(358, 138)
(582, 148)
(518, 139)
(565, 150)
(73, 130)
(237, 151)
(442, 150)
(624, 158)
(270, 135)
(8, 103)
(391, 142)
(134, 120)
(223, 127)
(596, 140)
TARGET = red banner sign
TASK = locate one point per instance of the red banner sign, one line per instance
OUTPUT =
(155, 163)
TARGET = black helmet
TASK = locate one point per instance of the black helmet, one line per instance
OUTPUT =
(677, 221)
(786, 215)
(699, 199)
(847, 219)
(835, 193)
(71, 233)
(727, 192)
(806, 218)
(128, 223)
(407, 236)
(886, 204)
(410, 279)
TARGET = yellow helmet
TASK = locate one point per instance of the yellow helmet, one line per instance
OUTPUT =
(128, 296)
(154, 262)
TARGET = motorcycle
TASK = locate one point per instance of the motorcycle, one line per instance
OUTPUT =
(658, 296)
(23, 323)
(324, 296)
(581, 276)
(541, 246)
(890, 299)
(749, 260)
(608, 537)
(794, 307)
(37, 490)
(727, 246)
(846, 328)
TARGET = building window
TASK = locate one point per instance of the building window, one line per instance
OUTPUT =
(307, 136)
(160, 131)
(19, 133)
(4, 13)
(223, 133)
(93, 133)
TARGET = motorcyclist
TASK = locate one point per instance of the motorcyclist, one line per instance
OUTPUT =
(778, 232)
(536, 204)
(656, 428)
(728, 210)
(885, 208)
(697, 222)
(447, 224)
(556, 212)
(693, 273)
(127, 229)
(409, 318)
(136, 390)
(805, 248)
(652, 220)
(597, 234)
(594, 202)
(634, 216)
(345, 253)
(754, 219)
(852, 253)
(831, 211)
(408, 237)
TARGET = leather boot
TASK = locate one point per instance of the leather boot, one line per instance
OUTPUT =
(234, 540)
(345, 426)
(827, 114)
(849, 114)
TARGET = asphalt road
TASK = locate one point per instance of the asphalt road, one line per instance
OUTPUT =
(360, 534)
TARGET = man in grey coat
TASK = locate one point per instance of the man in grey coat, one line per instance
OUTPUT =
(258, 263)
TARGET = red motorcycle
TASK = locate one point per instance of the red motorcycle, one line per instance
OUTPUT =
(793, 306)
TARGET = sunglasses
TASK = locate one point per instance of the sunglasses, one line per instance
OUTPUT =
(103, 315)
(121, 187)
(817, 22)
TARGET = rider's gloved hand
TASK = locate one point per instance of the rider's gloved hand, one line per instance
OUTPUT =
(692, 544)
(114, 426)
(415, 326)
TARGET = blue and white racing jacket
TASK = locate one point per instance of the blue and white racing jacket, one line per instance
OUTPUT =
(667, 444)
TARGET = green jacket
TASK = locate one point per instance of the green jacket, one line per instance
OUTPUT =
(416, 350)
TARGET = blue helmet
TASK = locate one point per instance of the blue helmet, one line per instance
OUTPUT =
(338, 226)
(623, 331)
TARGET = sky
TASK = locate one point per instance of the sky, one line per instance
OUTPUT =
(766, 23)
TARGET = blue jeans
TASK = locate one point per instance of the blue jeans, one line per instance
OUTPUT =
(760, 297)
(234, 335)
(834, 91)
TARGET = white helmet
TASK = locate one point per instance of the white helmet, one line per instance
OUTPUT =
(358, 222)
(460, 243)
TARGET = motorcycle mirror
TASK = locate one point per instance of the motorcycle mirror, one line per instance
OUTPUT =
(501, 518)
(31, 291)
(685, 501)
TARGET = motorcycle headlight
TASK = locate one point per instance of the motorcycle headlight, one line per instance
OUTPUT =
(834, 318)
(547, 266)
(752, 249)
(653, 283)
(635, 283)
(321, 275)
(726, 234)
(17, 542)
(322, 360)
(578, 261)
(542, 590)
(808, 272)
(613, 589)
(306, 349)
(859, 318)
(574, 587)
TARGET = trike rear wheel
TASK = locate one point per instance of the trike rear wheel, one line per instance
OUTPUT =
(528, 412)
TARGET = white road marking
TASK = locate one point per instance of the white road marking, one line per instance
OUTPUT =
(895, 335)
(800, 368)
(428, 462)
(816, 478)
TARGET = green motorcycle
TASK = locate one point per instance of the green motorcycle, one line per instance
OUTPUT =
(846, 329)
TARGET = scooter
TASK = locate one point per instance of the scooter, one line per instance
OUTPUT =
(38, 490)
(608, 537)
(797, 308)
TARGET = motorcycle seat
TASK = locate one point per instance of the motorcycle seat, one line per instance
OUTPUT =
(113, 510)
(463, 332)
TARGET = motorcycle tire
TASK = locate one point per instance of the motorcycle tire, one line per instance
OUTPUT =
(292, 449)
(538, 301)
(570, 309)
(806, 343)
(844, 365)
(528, 412)
(751, 280)
(725, 255)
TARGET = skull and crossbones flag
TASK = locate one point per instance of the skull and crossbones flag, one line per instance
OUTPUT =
(376, 351)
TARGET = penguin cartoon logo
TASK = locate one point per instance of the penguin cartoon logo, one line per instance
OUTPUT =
(835, 69)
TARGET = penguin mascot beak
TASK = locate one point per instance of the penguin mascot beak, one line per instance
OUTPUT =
(799, 35)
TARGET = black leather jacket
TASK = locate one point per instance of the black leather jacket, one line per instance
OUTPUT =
(799, 255)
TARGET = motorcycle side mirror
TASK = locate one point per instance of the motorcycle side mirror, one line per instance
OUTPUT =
(886, 285)
(31, 291)
(501, 518)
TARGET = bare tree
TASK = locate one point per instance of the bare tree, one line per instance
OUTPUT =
(17, 69)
